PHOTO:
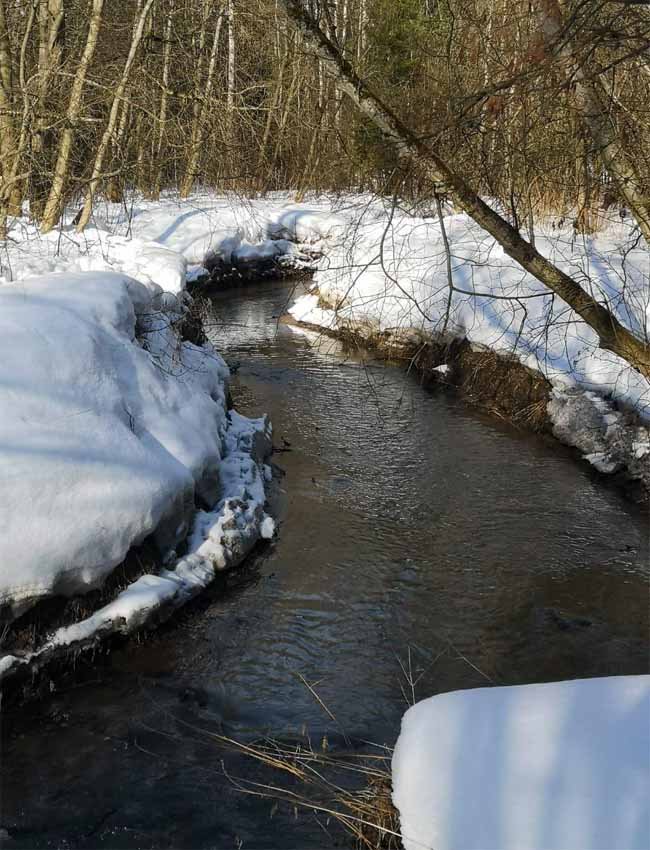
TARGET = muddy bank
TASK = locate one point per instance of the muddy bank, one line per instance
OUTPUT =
(602, 435)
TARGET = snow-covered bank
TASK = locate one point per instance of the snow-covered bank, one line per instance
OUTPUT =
(113, 429)
(532, 767)
(170, 241)
(220, 538)
(114, 426)
(386, 276)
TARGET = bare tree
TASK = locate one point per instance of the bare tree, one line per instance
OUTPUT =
(112, 118)
(596, 107)
(200, 119)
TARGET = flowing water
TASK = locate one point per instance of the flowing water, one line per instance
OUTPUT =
(418, 540)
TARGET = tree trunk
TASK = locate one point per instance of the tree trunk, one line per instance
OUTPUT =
(56, 198)
(112, 118)
(51, 23)
(198, 128)
(230, 97)
(162, 115)
(612, 335)
(8, 134)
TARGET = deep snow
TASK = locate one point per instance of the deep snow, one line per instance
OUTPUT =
(113, 428)
(557, 766)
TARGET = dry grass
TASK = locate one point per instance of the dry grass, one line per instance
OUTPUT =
(351, 789)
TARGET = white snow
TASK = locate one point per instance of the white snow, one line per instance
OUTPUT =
(385, 270)
(219, 538)
(557, 766)
(110, 427)
(159, 241)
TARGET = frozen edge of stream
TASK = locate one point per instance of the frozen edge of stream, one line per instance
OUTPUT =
(220, 539)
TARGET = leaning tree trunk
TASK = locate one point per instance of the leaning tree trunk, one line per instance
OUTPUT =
(612, 335)
(56, 198)
(112, 118)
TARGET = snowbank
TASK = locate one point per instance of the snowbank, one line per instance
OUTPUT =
(220, 538)
(162, 241)
(113, 428)
(533, 767)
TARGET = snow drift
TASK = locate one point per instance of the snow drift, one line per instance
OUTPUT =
(169, 240)
(533, 767)
(111, 428)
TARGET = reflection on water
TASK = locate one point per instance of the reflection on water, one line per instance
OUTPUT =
(410, 528)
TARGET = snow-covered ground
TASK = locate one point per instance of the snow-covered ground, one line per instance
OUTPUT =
(557, 766)
(167, 240)
(387, 270)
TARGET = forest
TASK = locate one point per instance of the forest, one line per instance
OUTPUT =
(541, 106)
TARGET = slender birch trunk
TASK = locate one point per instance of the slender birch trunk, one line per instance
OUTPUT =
(55, 201)
(230, 96)
(112, 118)
(198, 129)
(162, 114)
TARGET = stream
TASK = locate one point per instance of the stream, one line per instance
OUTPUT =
(418, 539)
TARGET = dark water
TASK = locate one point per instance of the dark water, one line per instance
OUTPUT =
(415, 535)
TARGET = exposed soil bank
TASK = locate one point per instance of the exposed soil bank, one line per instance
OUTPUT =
(504, 387)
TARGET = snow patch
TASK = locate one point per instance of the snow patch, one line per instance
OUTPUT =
(531, 767)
